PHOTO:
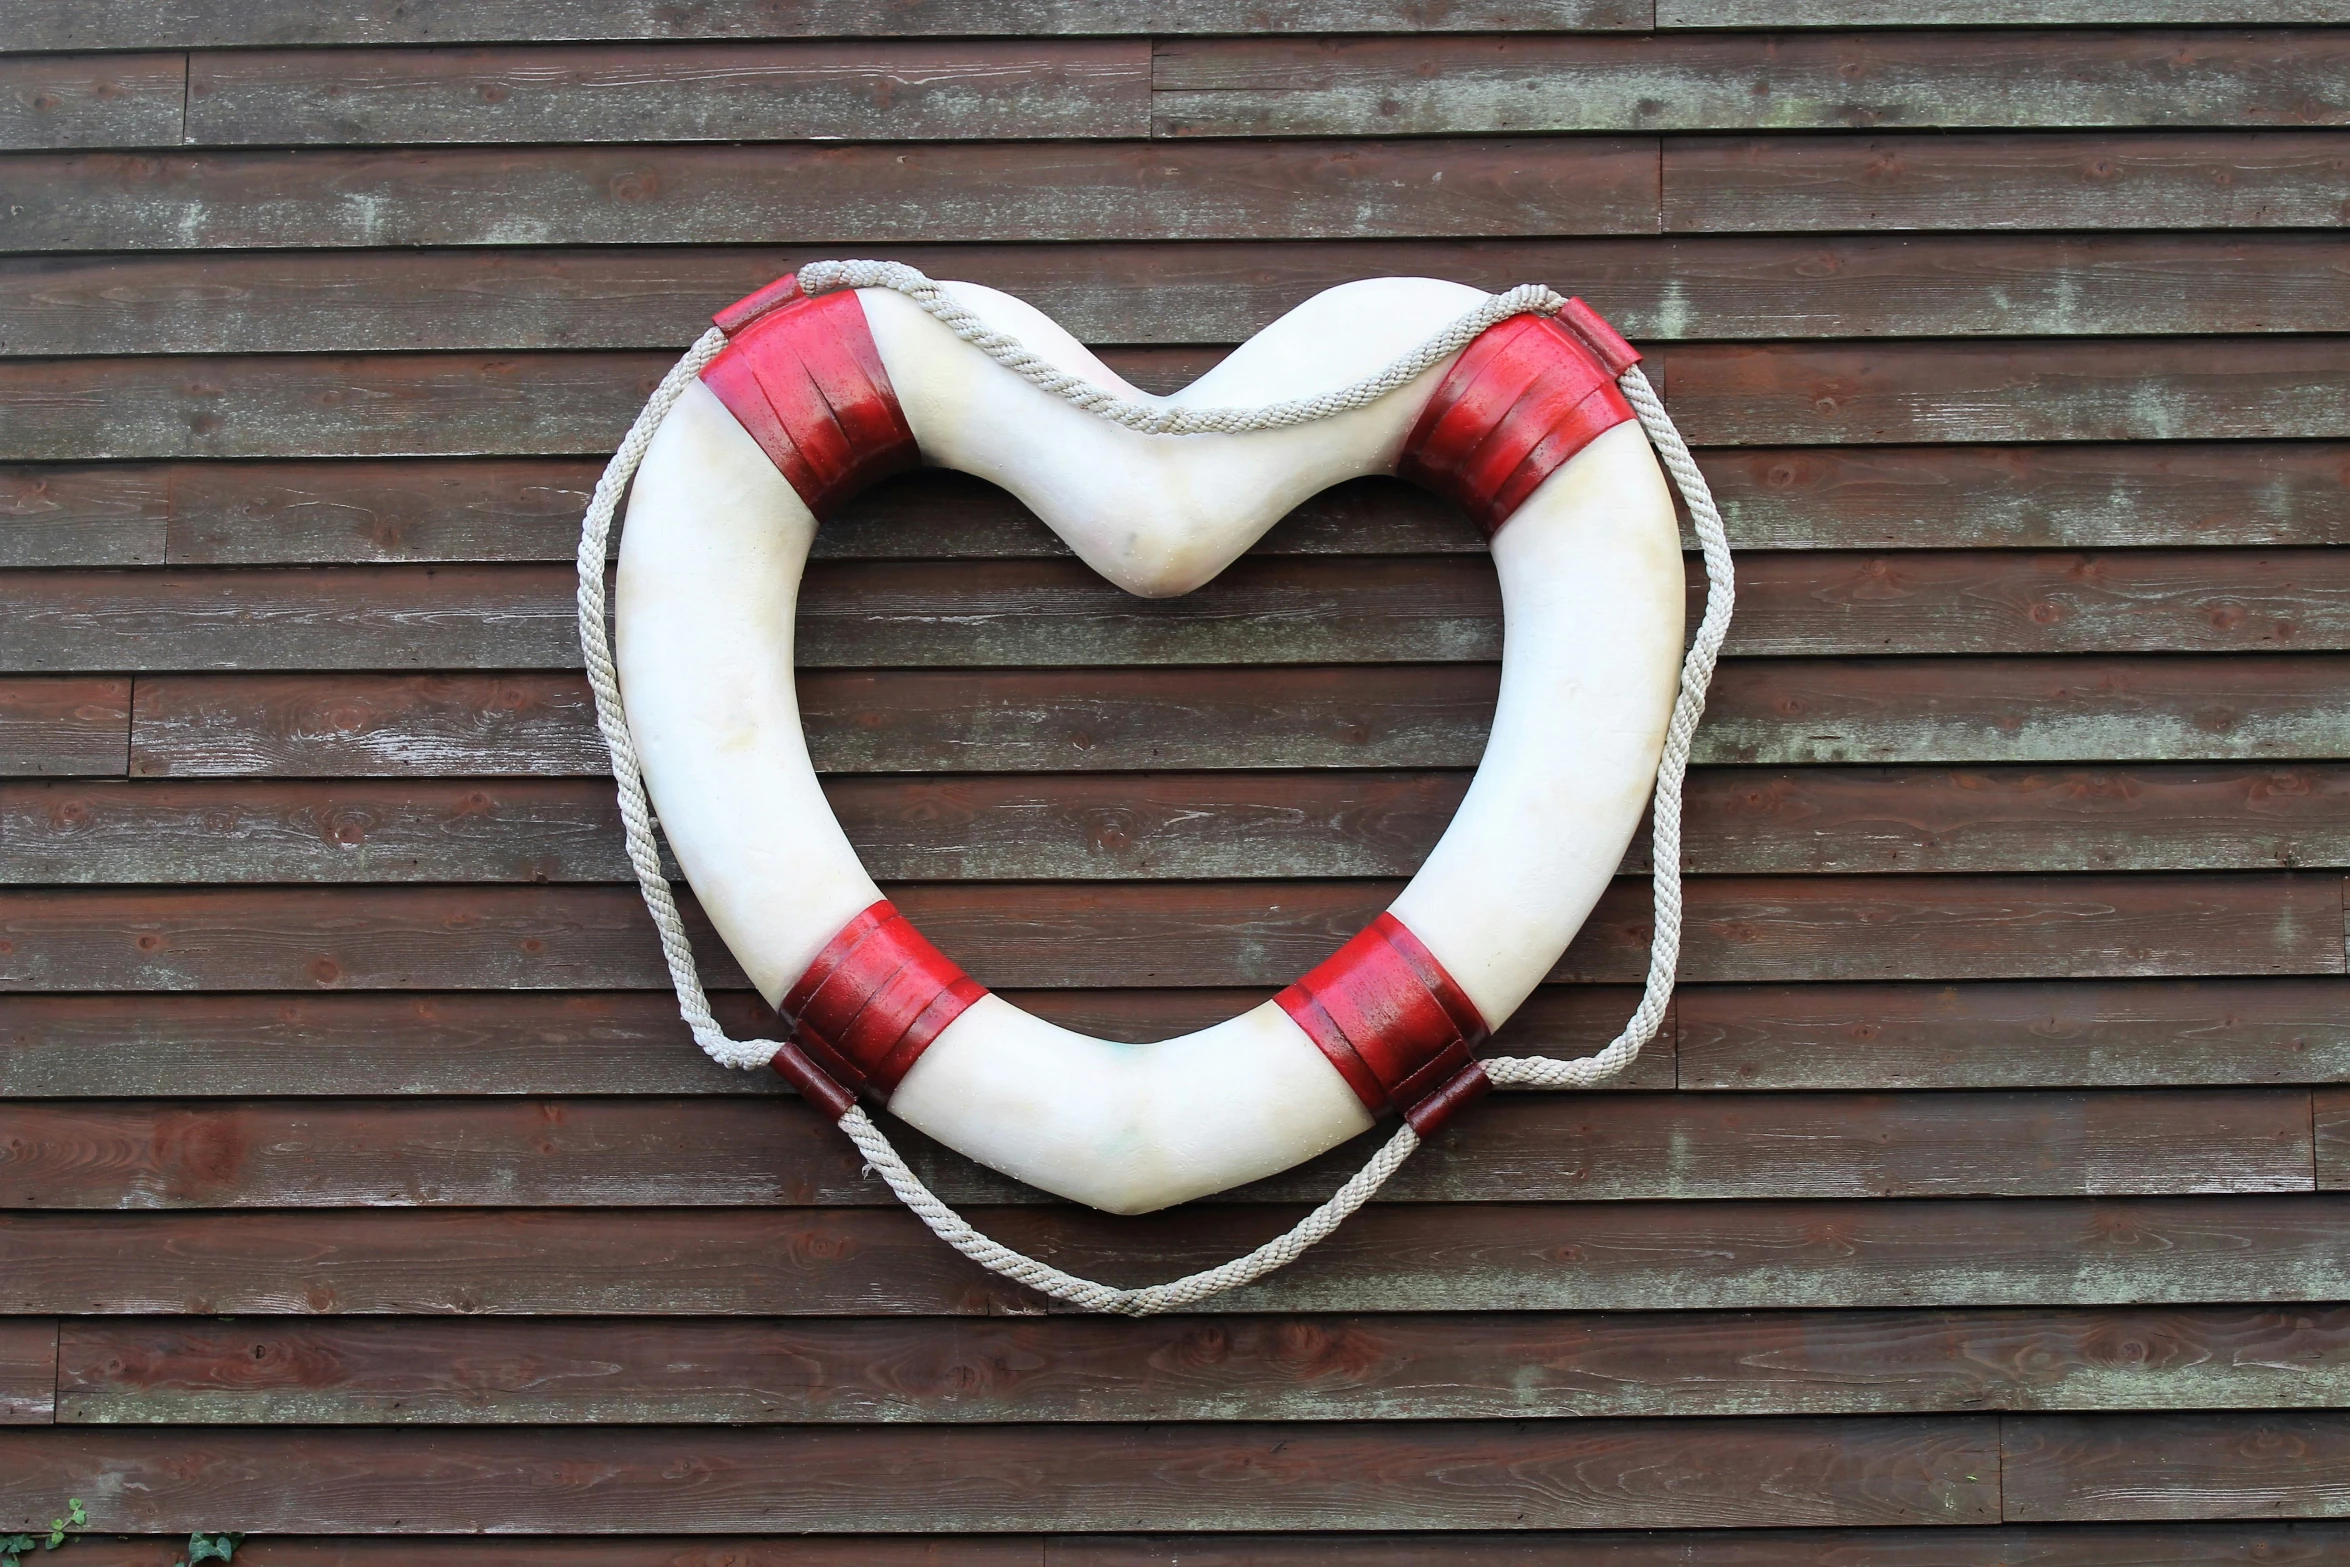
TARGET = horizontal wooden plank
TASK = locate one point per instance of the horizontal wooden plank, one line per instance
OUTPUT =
(64, 726)
(112, 100)
(425, 1371)
(2150, 180)
(1101, 827)
(514, 1042)
(1982, 1036)
(2241, 1543)
(1097, 935)
(797, 91)
(1055, 613)
(2101, 391)
(1440, 1474)
(1655, 288)
(579, 404)
(28, 1371)
(206, 24)
(1290, 86)
(1678, 1256)
(2163, 1466)
(638, 1152)
(2330, 1111)
(1970, 13)
(1934, 497)
(1786, 713)
(860, 194)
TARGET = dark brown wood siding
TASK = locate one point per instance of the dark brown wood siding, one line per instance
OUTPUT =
(1987, 1198)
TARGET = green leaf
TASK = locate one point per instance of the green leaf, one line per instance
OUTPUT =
(73, 1507)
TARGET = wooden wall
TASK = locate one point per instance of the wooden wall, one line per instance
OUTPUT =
(1981, 1203)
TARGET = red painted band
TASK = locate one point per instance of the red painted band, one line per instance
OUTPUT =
(874, 999)
(1520, 401)
(805, 379)
(1390, 1019)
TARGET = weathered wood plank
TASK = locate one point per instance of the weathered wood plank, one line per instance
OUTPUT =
(638, 1152)
(1655, 288)
(2242, 1543)
(28, 1371)
(64, 726)
(1782, 713)
(427, 1371)
(207, 24)
(1970, 13)
(562, 404)
(1057, 613)
(113, 100)
(797, 91)
(1936, 497)
(492, 1042)
(860, 194)
(1094, 935)
(1678, 1256)
(1290, 86)
(102, 516)
(2330, 1112)
(1983, 1036)
(2161, 1466)
(2109, 391)
(1427, 1475)
(1099, 827)
(2251, 179)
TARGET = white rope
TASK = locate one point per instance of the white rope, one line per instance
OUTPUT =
(644, 855)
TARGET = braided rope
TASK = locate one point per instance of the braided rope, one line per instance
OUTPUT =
(644, 855)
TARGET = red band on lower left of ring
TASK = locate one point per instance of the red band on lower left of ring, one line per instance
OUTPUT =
(874, 1000)
(1397, 1027)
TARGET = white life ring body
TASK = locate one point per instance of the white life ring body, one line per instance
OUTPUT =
(814, 397)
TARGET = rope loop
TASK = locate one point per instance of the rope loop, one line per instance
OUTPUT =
(1157, 418)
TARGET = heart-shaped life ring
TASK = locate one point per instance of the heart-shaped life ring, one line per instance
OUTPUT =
(815, 396)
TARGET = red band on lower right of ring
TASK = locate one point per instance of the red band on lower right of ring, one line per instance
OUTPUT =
(1396, 1026)
(874, 1000)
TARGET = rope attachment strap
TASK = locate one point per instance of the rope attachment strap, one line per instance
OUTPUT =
(867, 1017)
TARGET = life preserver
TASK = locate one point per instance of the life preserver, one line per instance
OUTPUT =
(815, 397)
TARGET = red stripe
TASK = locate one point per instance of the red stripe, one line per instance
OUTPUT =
(1520, 401)
(1393, 1022)
(874, 1000)
(804, 378)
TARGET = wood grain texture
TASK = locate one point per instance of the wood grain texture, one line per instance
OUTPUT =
(64, 726)
(113, 100)
(627, 1042)
(2105, 391)
(205, 24)
(862, 194)
(28, 1371)
(439, 1372)
(2330, 1114)
(1728, 81)
(1081, 935)
(1778, 713)
(2245, 179)
(1968, 13)
(2163, 1466)
(516, 509)
(645, 1152)
(1258, 612)
(1155, 827)
(869, 90)
(1537, 1475)
(2241, 1543)
(1676, 1256)
(1655, 288)
(2216, 1031)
